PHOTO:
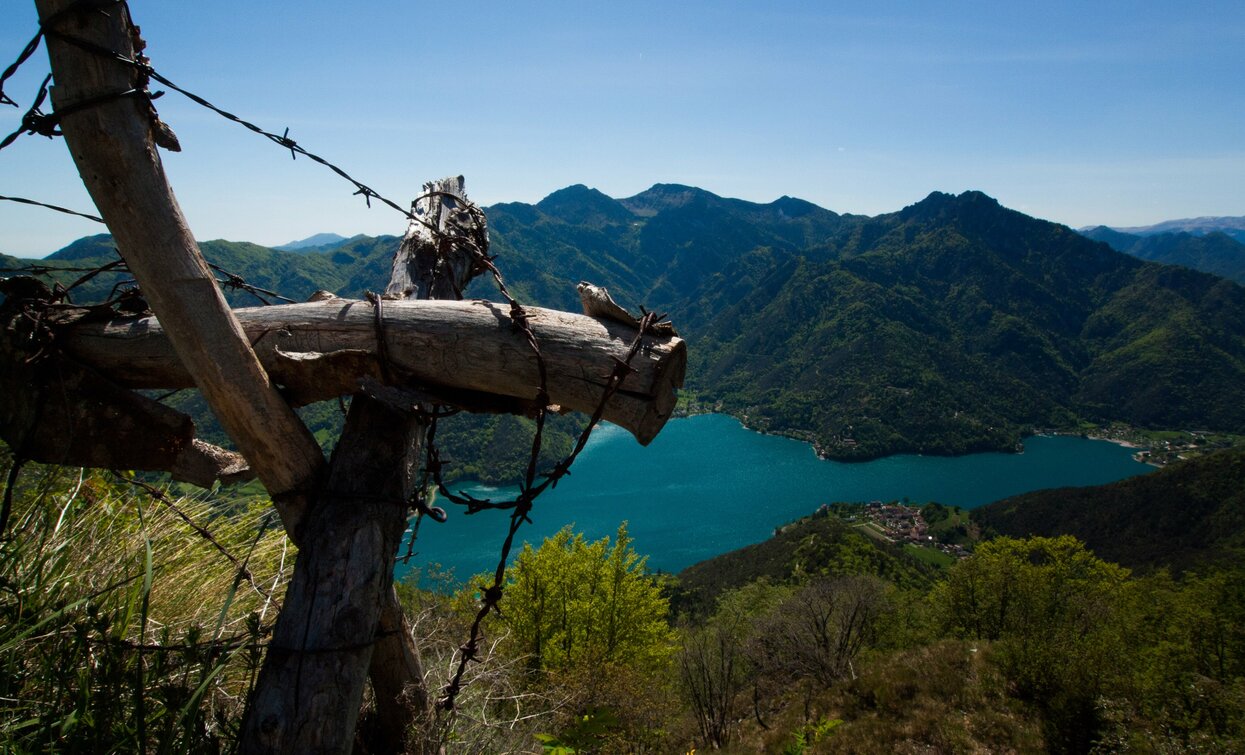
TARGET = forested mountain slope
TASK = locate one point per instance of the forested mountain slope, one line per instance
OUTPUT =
(1216, 252)
(953, 325)
(1187, 515)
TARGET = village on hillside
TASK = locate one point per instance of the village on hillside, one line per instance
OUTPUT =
(905, 524)
(1159, 448)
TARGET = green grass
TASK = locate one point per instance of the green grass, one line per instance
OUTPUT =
(122, 628)
(873, 530)
(931, 556)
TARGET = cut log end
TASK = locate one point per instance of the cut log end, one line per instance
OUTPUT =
(665, 393)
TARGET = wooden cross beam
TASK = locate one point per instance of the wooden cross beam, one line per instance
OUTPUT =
(462, 353)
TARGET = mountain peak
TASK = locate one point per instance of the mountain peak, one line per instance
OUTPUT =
(661, 197)
(939, 204)
(319, 239)
(583, 205)
(86, 247)
(793, 207)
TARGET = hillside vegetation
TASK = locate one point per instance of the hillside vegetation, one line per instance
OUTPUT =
(1187, 515)
(953, 325)
(1215, 252)
(127, 629)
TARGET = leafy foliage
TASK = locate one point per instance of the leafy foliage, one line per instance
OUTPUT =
(572, 603)
(589, 620)
(1094, 652)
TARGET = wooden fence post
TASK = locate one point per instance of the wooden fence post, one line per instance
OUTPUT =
(317, 662)
(112, 144)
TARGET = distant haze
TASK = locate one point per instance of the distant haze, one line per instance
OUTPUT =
(1197, 226)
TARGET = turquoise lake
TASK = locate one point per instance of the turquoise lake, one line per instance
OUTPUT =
(707, 485)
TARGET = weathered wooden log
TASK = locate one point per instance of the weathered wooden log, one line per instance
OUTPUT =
(58, 411)
(319, 350)
(311, 685)
(440, 253)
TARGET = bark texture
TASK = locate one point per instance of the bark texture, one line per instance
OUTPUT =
(310, 688)
(113, 147)
(320, 350)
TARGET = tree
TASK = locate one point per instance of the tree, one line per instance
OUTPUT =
(817, 632)
(576, 604)
(1054, 612)
(592, 622)
(714, 663)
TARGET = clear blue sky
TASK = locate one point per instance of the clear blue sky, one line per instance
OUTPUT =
(1088, 112)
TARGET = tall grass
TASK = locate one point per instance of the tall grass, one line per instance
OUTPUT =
(123, 628)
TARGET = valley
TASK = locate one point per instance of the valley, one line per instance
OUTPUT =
(986, 384)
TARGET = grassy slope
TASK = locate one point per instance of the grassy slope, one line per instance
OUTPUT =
(817, 544)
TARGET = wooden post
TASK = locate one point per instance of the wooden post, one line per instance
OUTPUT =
(353, 535)
(464, 349)
(429, 265)
(113, 147)
(340, 603)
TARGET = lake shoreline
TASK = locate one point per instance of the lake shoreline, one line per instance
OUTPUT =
(708, 485)
(805, 437)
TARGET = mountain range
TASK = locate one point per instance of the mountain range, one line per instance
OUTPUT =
(1230, 226)
(952, 325)
(1217, 252)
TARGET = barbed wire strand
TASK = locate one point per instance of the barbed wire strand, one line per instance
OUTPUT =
(491, 594)
(283, 140)
(58, 208)
(81, 6)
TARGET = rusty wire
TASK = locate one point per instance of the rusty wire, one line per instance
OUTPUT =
(58, 208)
(228, 280)
(81, 6)
(145, 70)
(521, 506)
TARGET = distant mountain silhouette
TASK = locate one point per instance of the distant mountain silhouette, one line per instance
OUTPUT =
(319, 240)
(1215, 252)
(1231, 226)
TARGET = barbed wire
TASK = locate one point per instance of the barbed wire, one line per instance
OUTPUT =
(146, 71)
(230, 280)
(530, 488)
(36, 122)
(81, 6)
(58, 208)
(521, 506)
